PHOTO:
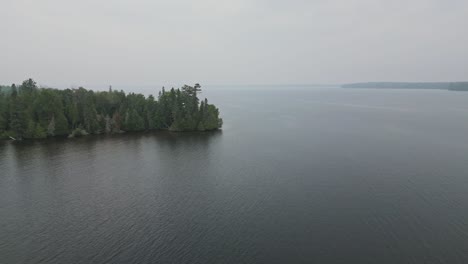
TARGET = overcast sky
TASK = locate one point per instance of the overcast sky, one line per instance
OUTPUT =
(61, 42)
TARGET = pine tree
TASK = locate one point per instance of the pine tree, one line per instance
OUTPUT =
(3, 114)
(35, 112)
(34, 131)
(133, 121)
(17, 117)
(61, 125)
(39, 132)
(28, 86)
(31, 128)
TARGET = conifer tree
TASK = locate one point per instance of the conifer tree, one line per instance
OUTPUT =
(17, 117)
(33, 112)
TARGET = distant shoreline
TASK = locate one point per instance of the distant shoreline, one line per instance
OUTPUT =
(451, 86)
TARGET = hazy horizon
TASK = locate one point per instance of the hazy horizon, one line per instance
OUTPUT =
(232, 42)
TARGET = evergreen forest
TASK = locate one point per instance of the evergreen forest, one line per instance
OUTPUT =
(30, 112)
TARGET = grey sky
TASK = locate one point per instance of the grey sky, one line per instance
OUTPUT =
(61, 42)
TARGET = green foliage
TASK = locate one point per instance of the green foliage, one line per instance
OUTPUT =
(30, 130)
(18, 120)
(5, 89)
(32, 112)
(61, 125)
(133, 121)
(28, 86)
(39, 132)
(6, 135)
(34, 131)
(3, 113)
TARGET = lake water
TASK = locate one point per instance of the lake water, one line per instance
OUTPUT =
(297, 175)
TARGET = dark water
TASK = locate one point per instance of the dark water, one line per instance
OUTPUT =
(298, 175)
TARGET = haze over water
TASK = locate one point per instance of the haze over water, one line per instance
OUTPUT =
(297, 175)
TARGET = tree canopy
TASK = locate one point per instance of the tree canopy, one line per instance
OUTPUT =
(27, 111)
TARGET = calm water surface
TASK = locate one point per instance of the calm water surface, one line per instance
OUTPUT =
(297, 175)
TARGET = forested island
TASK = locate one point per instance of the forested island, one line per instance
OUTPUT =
(452, 86)
(30, 112)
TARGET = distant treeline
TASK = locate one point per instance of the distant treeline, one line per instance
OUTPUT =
(27, 111)
(455, 86)
(5, 89)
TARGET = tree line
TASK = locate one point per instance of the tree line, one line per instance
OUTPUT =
(29, 112)
(456, 86)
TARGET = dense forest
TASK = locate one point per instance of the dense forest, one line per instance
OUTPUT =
(28, 112)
